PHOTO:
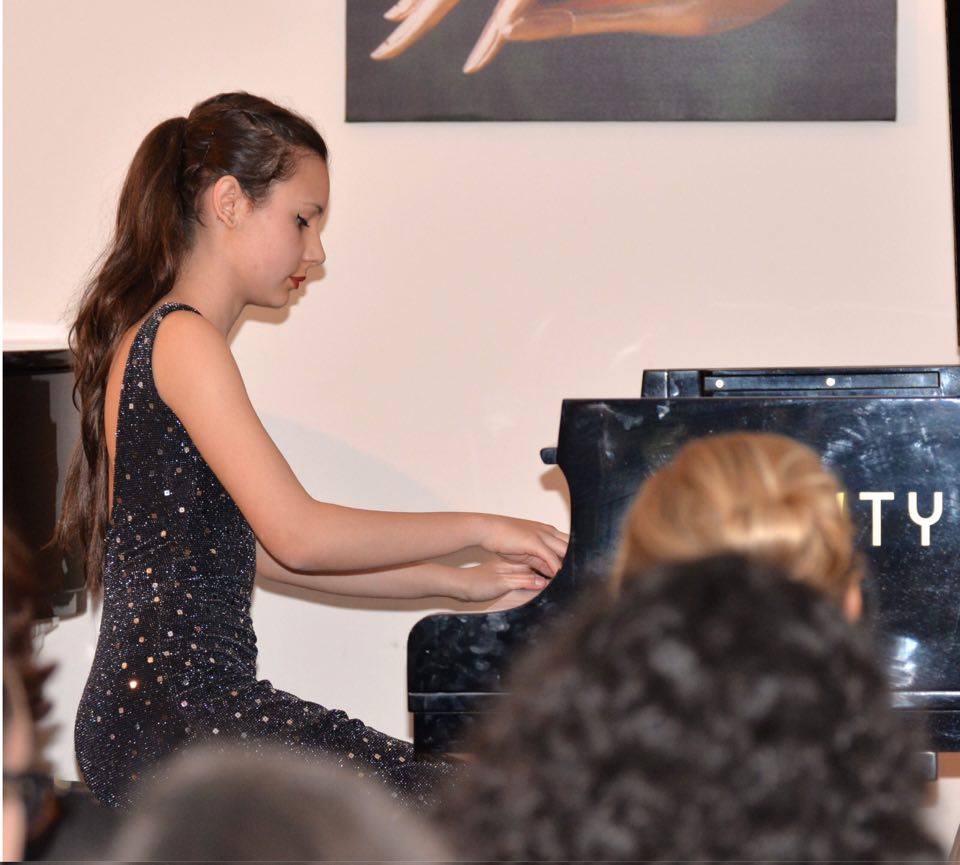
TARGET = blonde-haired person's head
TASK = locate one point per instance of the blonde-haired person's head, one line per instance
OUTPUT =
(759, 494)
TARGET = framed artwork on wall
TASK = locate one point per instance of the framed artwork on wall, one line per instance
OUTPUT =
(422, 60)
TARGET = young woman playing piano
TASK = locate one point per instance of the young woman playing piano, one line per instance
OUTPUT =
(178, 496)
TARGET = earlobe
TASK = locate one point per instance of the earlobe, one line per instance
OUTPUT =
(853, 603)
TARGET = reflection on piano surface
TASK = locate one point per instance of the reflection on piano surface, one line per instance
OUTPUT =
(891, 434)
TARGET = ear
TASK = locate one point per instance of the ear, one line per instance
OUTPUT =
(228, 201)
(853, 603)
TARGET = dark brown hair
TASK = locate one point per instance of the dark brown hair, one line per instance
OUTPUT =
(237, 134)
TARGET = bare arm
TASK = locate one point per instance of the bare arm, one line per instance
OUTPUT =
(416, 580)
(198, 378)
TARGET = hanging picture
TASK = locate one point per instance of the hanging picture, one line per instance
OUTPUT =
(621, 60)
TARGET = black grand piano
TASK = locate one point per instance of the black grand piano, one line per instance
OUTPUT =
(891, 434)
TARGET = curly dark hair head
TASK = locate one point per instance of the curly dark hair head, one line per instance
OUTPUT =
(715, 710)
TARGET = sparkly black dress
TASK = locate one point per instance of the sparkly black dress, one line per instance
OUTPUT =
(176, 656)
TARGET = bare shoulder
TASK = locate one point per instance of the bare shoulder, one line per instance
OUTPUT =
(182, 329)
(191, 356)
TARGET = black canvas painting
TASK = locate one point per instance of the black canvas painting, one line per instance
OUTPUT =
(621, 60)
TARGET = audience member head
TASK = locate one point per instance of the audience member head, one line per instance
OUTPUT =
(758, 494)
(229, 805)
(714, 710)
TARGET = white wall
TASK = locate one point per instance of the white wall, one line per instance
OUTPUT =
(477, 274)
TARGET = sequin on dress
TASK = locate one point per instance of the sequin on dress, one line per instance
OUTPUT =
(176, 656)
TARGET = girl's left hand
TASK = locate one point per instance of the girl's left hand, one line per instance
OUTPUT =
(493, 579)
(525, 542)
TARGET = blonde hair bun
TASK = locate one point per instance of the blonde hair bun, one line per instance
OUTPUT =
(759, 494)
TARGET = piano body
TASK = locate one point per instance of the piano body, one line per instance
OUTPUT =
(884, 430)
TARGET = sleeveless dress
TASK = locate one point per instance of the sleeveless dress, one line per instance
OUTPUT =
(176, 655)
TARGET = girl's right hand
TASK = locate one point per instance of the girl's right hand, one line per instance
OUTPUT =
(525, 542)
(493, 579)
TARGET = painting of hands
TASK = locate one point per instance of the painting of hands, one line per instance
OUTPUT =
(621, 60)
(534, 20)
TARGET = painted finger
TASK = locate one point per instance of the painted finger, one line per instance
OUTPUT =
(491, 39)
(400, 10)
(660, 18)
(421, 20)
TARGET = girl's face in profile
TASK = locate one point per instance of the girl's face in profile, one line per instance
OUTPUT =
(280, 239)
